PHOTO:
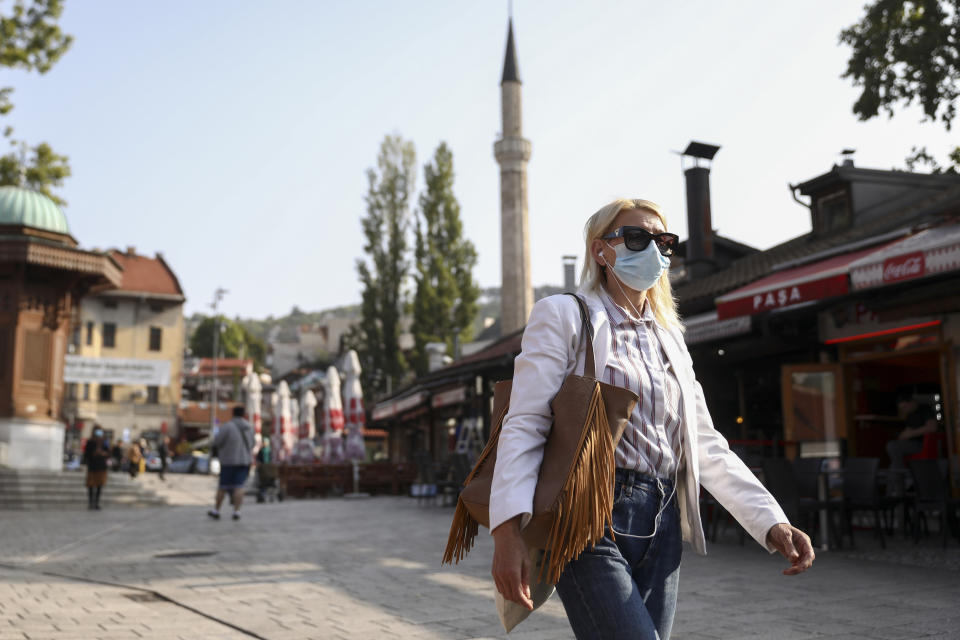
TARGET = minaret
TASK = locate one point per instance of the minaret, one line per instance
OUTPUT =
(512, 153)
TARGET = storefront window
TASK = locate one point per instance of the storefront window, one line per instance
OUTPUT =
(814, 405)
(814, 409)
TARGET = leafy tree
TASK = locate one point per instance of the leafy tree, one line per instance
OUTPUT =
(30, 39)
(38, 168)
(235, 341)
(906, 51)
(376, 337)
(445, 302)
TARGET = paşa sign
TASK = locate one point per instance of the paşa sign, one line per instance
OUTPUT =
(130, 371)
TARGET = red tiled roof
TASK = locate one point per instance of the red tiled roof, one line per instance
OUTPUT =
(194, 414)
(225, 366)
(146, 275)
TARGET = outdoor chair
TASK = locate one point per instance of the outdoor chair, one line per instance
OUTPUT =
(933, 447)
(432, 484)
(712, 514)
(780, 478)
(932, 497)
(861, 493)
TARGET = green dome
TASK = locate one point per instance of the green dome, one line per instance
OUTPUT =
(29, 208)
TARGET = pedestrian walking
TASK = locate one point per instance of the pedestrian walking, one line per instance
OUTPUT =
(134, 459)
(233, 443)
(163, 450)
(116, 455)
(95, 456)
(624, 585)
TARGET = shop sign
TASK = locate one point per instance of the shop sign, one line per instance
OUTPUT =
(128, 371)
(783, 297)
(905, 267)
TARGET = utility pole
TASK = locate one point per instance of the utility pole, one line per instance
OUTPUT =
(217, 297)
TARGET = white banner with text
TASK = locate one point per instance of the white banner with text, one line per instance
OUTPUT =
(130, 371)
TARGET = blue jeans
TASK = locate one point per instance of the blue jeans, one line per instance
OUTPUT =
(627, 588)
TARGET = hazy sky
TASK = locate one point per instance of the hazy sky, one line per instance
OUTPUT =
(234, 137)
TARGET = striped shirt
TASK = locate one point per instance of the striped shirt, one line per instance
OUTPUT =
(651, 441)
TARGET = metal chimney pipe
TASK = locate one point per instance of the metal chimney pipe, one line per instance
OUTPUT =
(699, 222)
(700, 257)
(570, 274)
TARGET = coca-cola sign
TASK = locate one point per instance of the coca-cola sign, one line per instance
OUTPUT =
(903, 267)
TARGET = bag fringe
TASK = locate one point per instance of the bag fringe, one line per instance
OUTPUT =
(463, 533)
(585, 505)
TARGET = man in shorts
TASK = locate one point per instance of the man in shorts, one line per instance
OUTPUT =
(233, 443)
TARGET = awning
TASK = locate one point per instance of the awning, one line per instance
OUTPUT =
(928, 253)
(706, 327)
(816, 281)
(452, 396)
(391, 408)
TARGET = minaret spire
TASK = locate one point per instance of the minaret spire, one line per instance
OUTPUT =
(513, 152)
(511, 70)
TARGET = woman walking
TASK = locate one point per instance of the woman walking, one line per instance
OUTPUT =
(95, 456)
(625, 586)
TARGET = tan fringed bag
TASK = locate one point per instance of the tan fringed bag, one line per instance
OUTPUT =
(573, 502)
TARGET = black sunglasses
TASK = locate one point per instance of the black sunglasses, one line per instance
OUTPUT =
(637, 239)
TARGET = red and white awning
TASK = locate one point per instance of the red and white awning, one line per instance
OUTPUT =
(391, 408)
(827, 278)
(928, 253)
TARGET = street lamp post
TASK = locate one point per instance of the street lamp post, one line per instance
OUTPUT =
(217, 296)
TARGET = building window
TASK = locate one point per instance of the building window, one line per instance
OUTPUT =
(86, 390)
(153, 395)
(156, 338)
(71, 391)
(834, 212)
(109, 304)
(156, 307)
(109, 335)
(75, 335)
(106, 393)
(89, 333)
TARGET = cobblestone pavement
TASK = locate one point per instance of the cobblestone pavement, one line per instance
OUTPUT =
(370, 568)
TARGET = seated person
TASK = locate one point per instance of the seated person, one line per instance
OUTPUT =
(918, 420)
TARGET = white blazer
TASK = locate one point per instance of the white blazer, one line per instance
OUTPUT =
(549, 353)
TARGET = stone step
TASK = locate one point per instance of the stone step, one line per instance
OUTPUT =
(71, 482)
(30, 489)
(6, 505)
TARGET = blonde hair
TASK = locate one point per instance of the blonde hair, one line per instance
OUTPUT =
(660, 296)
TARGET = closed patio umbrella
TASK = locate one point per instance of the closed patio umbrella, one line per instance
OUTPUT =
(307, 427)
(286, 437)
(254, 389)
(333, 418)
(354, 416)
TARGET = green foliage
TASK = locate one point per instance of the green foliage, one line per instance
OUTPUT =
(30, 39)
(445, 302)
(377, 336)
(906, 51)
(38, 168)
(236, 341)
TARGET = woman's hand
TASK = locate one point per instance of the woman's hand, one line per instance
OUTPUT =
(794, 545)
(511, 563)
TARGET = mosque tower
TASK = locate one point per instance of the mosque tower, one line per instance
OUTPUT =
(512, 152)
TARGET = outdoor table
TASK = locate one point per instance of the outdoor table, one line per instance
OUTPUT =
(823, 497)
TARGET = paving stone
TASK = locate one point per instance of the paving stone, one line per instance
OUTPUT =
(370, 569)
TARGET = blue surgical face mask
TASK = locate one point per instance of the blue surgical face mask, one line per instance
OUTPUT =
(639, 270)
